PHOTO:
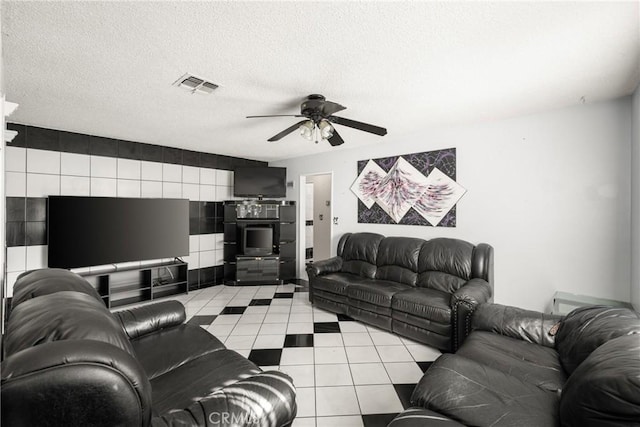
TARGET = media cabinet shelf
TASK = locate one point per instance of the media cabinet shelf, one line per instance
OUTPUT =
(139, 284)
(241, 269)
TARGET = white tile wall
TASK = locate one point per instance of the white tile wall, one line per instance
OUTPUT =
(16, 184)
(151, 171)
(129, 169)
(75, 185)
(104, 167)
(70, 174)
(171, 173)
(16, 159)
(75, 164)
(42, 185)
(43, 161)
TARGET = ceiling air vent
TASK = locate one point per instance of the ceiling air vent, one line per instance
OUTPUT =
(195, 84)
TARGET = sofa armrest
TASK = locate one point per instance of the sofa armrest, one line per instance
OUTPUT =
(74, 383)
(266, 399)
(463, 304)
(421, 417)
(143, 320)
(327, 266)
(532, 326)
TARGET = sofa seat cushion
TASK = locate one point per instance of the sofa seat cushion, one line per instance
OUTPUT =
(425, 303)
(375, 292)
(473, 393)
(179, 388)
(337, 283)
(169, 348)
(536, 364)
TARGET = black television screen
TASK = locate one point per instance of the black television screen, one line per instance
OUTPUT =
(89, 231)
(258, 241)
(260, 182)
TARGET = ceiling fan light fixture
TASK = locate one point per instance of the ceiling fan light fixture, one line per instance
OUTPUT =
(326, 130)
(306, 129)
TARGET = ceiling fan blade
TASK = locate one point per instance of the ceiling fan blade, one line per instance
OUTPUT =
(286, 132)
(275, 115)
(329, 108)
(358, 125)
(336, 139)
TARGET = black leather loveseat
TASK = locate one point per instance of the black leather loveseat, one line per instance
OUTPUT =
(68, 361)
(524, 368)
(425, 290)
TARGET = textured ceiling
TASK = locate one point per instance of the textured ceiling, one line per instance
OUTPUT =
(107, 68)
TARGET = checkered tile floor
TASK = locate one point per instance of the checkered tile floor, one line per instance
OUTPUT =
(346, 373)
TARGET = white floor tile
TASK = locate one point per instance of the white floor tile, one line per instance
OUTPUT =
(325, 317)
(246, 329)
(300, 317)
(240, 342)
(256, 309)
(276, 318)
(220, 330)
(303, 375)
(403, 372)
(333, 375)
(269, 341)
(305, 399)
(226, 319)
(300, 328)
(394, 353)
(352, 327)
(385, 338)
(251, 318)
(273, 328)
(422, 353)
(343, 421)
(327, 340)
(353, 339)
(297, 356)
(328, 355)
(362, 354)
(370, 373)
(340, 400)
(378, 399)
(304, 422)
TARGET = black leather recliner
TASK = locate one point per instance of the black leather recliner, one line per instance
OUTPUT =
(525, 368)
(68, 361)
(425, 290)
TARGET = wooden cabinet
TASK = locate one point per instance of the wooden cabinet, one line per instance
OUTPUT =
(135, 285)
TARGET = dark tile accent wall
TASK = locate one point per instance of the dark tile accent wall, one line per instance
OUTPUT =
(26, 221)
(70, 142)
(205, 218)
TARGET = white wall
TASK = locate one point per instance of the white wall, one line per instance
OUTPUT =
(635, 199)
(550, 192)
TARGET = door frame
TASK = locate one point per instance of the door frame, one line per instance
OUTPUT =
(302, 202)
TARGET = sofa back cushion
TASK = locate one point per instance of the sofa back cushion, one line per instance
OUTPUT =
(65, 315)
(35, 283)
(587, 328)
(444, 264)
(359, 254)
(604, 389)
(398, 259)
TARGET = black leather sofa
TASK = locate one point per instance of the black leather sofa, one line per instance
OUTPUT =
(425, 290)
(68, 361)
(524, 368)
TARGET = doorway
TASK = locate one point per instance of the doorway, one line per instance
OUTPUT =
(316, 211)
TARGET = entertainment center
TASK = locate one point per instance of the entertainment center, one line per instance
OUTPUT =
(259, 241)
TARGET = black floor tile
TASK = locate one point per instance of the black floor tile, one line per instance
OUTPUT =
(283, 295)
(404, 393)
(266, 357)
(377, 420)
(233, 310)
(326, 327)
(202, 320)
(344, 317)
(298, 340)
(260, 302)
(424, 365)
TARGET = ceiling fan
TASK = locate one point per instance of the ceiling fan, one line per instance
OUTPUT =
(319, 121)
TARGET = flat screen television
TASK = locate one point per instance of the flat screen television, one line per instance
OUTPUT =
(260, 182)
(89, 231)
(257, 241)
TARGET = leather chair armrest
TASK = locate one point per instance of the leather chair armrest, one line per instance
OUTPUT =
(74, 383)
(420, 417)
(532, 326)
(266, 399)
(327, 266)
(464, 303)
(143, 320)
